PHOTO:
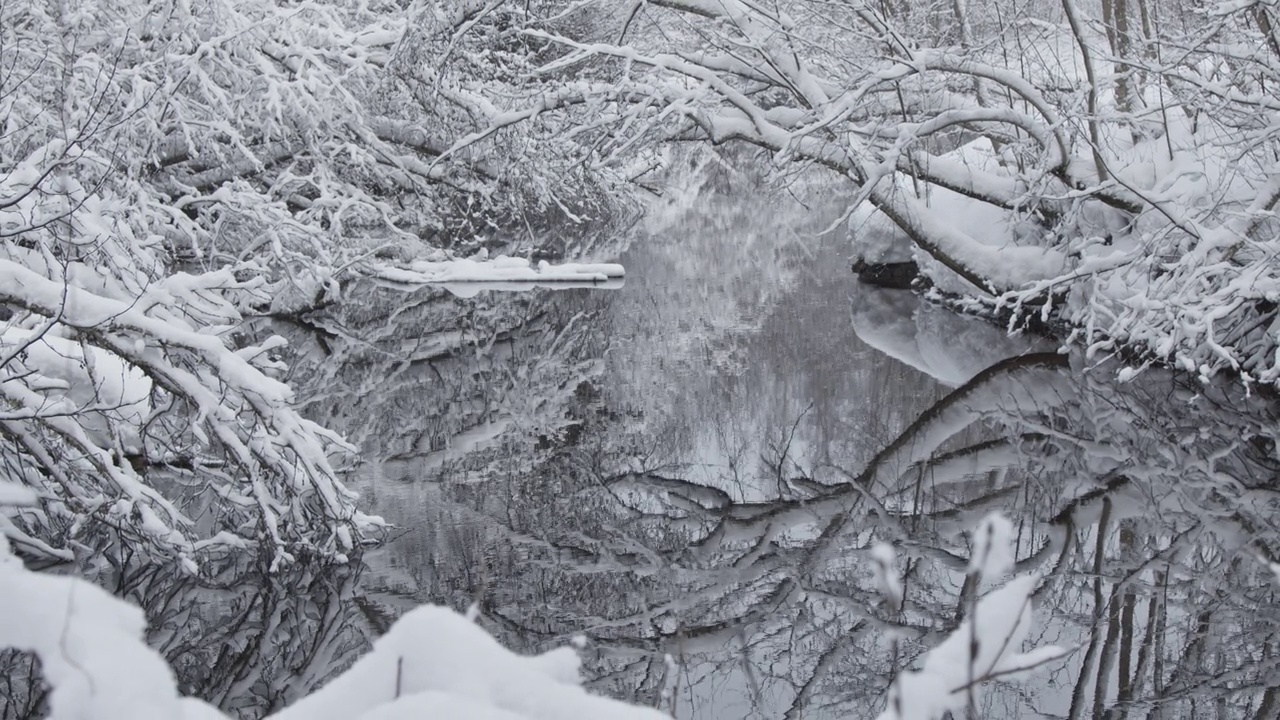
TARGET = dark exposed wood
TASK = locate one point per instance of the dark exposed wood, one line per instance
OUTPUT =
(896, 276)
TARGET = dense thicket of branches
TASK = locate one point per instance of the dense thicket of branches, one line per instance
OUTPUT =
(1112, 165)
(1149, 567)
(168, 170)
(165, 171)
(1120, 169)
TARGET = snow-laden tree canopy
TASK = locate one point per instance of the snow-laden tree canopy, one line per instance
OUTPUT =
(1109, 166)
(166, 170)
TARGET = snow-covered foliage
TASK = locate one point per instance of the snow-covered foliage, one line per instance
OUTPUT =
(147, 392)
(986, 646)
(1115, 172)
(435, 663)
(167, 171)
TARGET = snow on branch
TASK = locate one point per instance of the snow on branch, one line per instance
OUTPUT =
(466, 277)
(729, 111)
(286, 480)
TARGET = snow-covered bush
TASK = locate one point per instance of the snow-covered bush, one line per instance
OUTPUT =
(1122, 182)
(985, 647)
(145, 393)
(116, 370)
(166, 170)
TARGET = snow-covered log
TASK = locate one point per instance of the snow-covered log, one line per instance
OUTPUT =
(466, 277)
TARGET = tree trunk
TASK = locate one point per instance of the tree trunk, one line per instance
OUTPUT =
(1269, 708)
(1087, 669)
(1095, 136)
(1120, 47)
(1124, 691)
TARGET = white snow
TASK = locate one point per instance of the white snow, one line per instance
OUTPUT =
(433, 663)
(89, 646)
(992, 548)
(886, 577)
(468, 276)
(986, 646)
(438, 659)
(12, 494)
(96, 382)
(471, 288)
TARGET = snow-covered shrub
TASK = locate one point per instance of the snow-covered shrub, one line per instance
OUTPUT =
(166, 170)
(116, 371)
(985, 647)
(147, 391)
(132, 135)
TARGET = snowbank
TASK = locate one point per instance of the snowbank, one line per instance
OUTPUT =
(437, 663)
(90, 648)
(433, 663)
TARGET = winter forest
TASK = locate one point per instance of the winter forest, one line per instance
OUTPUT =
(576, 359)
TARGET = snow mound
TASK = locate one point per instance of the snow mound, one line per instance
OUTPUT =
(444, 666)
(89, 645)
(433, 663)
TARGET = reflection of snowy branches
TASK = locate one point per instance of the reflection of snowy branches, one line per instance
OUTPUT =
(1133, 528)
(250, 641)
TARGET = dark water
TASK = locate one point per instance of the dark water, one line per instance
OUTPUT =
(695, 467)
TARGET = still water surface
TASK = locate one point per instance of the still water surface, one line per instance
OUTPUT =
(696, 466)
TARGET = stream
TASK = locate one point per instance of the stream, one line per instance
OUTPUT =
(688, 475)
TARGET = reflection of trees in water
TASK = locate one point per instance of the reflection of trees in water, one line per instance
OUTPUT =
(252, 642)
(1146, 506)
(408, 374)
(1145, 510)
(23, 695)
(1165, 540)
